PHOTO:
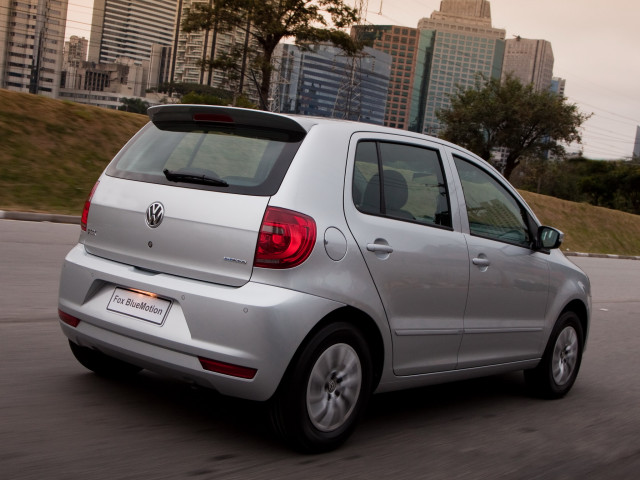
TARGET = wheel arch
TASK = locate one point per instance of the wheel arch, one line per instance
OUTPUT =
(364, 324)
(580, 309)
(371, 333)
(289, 408)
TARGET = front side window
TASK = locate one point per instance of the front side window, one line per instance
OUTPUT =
(401, 181)
(492, 211)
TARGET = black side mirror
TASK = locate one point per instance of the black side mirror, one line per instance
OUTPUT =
(549, 238)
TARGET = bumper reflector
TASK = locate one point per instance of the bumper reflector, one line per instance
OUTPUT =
(227, 368)
(68, 319)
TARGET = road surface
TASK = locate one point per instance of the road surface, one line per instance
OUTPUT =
(59, 421)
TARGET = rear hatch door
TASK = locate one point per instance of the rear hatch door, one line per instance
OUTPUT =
(186, 196)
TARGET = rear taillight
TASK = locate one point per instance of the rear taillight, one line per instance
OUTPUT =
(212, 117)
(286, 239)
(87, 206)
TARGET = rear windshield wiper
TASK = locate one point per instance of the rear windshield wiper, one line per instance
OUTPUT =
(200, 179)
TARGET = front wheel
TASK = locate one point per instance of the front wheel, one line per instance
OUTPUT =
(558, 369)
(325, 391)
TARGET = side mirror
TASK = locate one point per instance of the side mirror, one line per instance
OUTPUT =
(549, 238)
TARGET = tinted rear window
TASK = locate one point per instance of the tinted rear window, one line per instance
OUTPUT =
(252, 161)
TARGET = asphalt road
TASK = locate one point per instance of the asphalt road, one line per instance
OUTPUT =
(58, 421)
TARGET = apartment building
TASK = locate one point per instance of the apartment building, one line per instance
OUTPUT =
(193, 49)
(31, 45)
(130, 28)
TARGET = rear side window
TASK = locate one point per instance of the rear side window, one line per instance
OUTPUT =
(401, 181)
(247, 160)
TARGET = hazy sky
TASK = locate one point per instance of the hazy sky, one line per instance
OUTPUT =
(596, 45)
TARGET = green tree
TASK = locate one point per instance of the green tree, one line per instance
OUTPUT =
(134, 105)
(609, 184)
(216, 16)
(270, 21)
(508, 114)
(203, 99)
(209, 99)
(181, 89)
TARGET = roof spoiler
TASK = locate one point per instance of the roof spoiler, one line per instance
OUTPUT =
(216, 114)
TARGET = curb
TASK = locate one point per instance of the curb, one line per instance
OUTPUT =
(74, 219)
(601, 255)
(40, 217)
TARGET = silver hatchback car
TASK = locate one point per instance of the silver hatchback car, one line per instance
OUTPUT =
(312, 262)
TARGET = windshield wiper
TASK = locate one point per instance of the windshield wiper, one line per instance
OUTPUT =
(194, 178)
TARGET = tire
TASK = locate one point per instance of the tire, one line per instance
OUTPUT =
(558, 369)
(325, 391)
(102, 364)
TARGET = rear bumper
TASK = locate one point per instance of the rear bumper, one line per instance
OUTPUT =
(255, 326)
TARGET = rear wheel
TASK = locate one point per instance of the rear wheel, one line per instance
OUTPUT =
(324, 393)
(558, 369)
(102, 364)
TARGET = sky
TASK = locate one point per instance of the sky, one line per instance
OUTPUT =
(596, 45)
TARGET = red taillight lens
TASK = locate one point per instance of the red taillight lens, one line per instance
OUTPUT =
(227, 368)
(286, 239)
(68, 319)
(85, 210)
(212, 117)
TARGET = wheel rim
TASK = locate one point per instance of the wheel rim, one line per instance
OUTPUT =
(565, 356)
(334, 387)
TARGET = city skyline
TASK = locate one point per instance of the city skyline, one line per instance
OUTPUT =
(578, 30)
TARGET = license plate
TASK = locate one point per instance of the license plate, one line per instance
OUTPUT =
(142, 305)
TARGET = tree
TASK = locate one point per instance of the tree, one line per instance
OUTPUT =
(209, 99)
(216, 16)
(134, 105)
(270, 21)
(513, 116)
(203, 99)
(181, 89)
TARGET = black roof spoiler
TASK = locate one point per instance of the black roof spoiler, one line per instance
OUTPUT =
(240, 116)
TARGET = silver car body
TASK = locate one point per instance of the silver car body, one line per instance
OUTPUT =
(439, 304)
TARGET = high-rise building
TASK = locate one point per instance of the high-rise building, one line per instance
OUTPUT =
(530, 61)
(407, 48)
(636, 145)
(558, 85)
(446, 51)
(460, 44)
(75, 50)
(129, 29)
(311, 82)
(31, 45)
(461, 11)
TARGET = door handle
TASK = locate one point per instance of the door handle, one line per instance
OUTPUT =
(481, 262)
(376, 247)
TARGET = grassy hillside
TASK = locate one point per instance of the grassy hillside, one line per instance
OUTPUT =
(52, 152)
(588, 228)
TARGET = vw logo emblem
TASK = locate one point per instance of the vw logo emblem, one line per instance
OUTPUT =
(155, 214)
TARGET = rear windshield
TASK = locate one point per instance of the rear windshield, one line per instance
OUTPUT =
(249, 160)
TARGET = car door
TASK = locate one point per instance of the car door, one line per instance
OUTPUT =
(509, 282)
(400, 215)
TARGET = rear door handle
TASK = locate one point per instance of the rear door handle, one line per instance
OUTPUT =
(376, 247)
(481, 262)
